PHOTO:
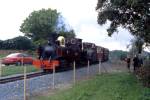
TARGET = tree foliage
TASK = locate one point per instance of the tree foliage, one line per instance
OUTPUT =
(136, 46)
(118, 54)
(39, 25)
(17, 43)
(133, 15)
(68, 34)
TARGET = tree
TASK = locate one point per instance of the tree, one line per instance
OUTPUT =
(22, 43)
(118, 54)
(136, 46)
(1, 43)
(39, 25)
(17, 43)
(67, 34)
(133, 15)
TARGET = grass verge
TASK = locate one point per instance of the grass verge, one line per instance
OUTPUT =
(2, 55)
(12, 70)
(118, 86)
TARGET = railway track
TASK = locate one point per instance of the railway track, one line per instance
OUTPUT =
(21, 77)
(29, 75)
(32, 75)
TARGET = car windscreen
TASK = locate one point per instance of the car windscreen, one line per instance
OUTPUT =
(12, 55)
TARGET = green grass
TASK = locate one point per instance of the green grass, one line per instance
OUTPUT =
(2, 55)
(118, 86)
(12, 70)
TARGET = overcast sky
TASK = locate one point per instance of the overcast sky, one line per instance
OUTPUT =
(79, 14)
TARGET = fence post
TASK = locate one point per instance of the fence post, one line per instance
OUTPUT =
(25, 76)
(88, 69)
(74, 72)
(53, 76)
(0, 68)
(99, 67)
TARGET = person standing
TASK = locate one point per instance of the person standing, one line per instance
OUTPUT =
(140, 62)
(128, 60)
(135, 63)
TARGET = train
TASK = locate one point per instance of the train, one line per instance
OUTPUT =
(61, 52)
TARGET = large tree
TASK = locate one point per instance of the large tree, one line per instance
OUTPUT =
(39, 25)
(133, 15)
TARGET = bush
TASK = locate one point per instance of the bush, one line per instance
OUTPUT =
(144, 73)
(17, 43)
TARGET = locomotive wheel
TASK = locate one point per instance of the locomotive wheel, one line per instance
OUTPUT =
(63, 63)
(47, 70)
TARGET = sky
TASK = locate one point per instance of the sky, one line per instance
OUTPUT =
(79, 14)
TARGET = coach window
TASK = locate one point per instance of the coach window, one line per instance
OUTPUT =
(73, 41)
(63, 42)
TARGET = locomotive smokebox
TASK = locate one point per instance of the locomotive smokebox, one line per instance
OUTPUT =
(49, 52)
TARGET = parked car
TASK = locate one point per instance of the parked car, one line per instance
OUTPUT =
(17, 59)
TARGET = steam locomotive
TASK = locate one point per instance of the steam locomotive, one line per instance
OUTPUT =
(62, 52)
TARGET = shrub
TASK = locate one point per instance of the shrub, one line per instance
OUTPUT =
(144, 73)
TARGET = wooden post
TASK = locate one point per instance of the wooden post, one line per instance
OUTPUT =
(88, 69)
(0, 68)
(25, 75)
(99, 67)
(74, 72)
(53, 76)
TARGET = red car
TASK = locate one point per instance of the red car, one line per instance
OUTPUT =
(17, 58)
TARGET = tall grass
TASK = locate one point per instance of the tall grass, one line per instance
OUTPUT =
(121, 86)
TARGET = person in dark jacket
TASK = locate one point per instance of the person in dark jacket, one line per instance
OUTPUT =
(140, 62)
(135, 63)
(128, 60)
(40, 51)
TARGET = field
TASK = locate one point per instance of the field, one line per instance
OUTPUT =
(118, 86)
(12, 70)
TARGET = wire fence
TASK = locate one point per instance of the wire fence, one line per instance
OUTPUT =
(23, 89)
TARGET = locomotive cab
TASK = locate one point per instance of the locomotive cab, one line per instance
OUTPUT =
(61, 41)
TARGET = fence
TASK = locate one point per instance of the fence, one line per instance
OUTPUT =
(27, 87)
